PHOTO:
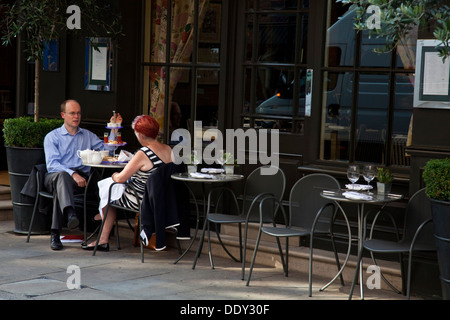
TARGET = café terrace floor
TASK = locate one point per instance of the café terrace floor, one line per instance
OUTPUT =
(32, 271)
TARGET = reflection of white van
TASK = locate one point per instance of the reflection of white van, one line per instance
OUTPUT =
(373, 92)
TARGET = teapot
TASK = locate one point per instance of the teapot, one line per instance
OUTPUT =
(96, 157)
(85, 155)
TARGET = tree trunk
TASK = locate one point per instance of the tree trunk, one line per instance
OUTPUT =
(36, 90)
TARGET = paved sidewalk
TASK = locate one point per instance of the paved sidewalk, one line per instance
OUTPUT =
(32, 271)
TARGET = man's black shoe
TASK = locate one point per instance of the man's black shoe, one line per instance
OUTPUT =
(55, 241)
(73, 222)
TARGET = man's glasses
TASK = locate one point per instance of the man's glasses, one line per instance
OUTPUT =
(73, 114)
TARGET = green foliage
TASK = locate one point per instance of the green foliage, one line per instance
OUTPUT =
(399, 17)
(40, 20)
(24, 132)
(384, 175)
(436, 176)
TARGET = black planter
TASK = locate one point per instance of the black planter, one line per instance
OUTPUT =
(20, 163)
(440, 211)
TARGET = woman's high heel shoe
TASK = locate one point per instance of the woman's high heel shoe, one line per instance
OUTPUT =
(101, 247)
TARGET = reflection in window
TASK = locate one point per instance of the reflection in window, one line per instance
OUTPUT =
(170, 65)
(370, 58)
(366, 110)
(336, 116)
(274, 86)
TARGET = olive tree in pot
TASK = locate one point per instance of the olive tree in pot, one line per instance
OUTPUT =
(436, 176)
(34, 23)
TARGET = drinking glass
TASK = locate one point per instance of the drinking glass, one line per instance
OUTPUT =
(369, 173)
(353, 173)
(220, 158)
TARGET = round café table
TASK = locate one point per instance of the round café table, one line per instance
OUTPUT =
(204, 180)
(381, 199)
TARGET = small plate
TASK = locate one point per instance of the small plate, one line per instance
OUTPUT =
(358, 187)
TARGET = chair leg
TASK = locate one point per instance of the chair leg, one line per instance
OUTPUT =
(200, 244)
(310, 265)
(225, 248)
(336, 256)
(384, 278)
(32, 218)
(244, 252)
(117, 235)
(101, 230)
(408, 277)
(254, 257)
(141, 244)
(209, 247)
(280, 250)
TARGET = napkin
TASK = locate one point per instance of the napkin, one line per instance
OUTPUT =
(124, 156)
(199, 175)
(358, 186)
(103, 190)
(357, 195)
(212, 170)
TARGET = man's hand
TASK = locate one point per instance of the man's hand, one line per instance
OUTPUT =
(81, 182)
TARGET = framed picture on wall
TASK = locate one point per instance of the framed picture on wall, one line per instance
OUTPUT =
(50, 61)
(210, 30)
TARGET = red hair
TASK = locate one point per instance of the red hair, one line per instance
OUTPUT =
(146, 125)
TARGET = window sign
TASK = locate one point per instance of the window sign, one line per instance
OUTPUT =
(98, 65)
(432, 87)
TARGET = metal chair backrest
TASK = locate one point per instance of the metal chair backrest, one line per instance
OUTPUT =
(305, 201)
(258, 184)
(417, 211)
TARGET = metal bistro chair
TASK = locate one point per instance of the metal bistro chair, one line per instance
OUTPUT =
(79, 198)
(112, 204)
(309, 215)
(160, 172)
(417, 236)
(257, 185)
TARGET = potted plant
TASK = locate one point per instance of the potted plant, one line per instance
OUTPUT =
(229, 163)
(34, 24)
(436, 176)
(193, 162)
(384, 178)
(24, 139)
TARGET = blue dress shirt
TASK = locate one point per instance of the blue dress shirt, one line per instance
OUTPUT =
(61, 148)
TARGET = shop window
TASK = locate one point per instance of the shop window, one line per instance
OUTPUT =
(368, 96)
(275, 65)
(182, 61)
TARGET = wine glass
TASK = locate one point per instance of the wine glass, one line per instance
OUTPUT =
(220, 159)
(369, 173)
(353, 173)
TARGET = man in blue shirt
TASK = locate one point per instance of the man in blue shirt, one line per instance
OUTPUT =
(66, 174)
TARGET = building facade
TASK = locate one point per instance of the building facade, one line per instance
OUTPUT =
(293, 65)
